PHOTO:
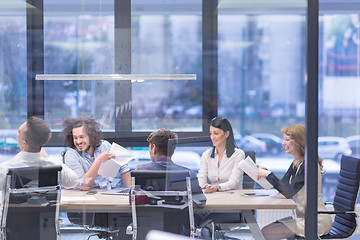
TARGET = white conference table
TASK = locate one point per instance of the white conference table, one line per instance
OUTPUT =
(218, 202)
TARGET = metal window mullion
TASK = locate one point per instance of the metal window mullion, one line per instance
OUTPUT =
(311, 147)
(122, 61)
(209, 61)
(35, 57)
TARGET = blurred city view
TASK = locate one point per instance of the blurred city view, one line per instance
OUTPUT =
(260, 78)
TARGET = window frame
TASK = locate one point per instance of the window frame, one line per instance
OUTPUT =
(123, 133)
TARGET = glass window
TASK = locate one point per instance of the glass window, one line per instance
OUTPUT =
(260, 52)
(79, 39)
(339, 101)
(261, 76)
(166, 39)
(261, 71)
(13, 63)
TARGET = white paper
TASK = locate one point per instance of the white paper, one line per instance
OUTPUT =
(250, 168)
(110, 168)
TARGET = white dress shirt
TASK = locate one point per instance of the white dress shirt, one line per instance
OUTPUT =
(69, 178)
(228, 175)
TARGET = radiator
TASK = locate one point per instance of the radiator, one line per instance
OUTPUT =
(264, 217)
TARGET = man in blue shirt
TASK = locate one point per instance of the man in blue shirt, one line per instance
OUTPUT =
(87, 152)
(162, 144)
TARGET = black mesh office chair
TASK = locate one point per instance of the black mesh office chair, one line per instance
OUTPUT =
(345, 199)
(30, 206)
(96, 223)
(166, 189)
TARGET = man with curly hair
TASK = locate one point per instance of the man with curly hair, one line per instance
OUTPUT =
(87, 152)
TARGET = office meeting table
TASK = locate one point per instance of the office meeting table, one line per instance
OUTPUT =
(244, 201)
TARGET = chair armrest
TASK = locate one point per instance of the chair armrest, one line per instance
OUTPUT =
(336, 212)
(203, 224)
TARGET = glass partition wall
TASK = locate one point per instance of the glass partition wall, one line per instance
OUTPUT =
(13, 103)
(79, 39)
(249, 62)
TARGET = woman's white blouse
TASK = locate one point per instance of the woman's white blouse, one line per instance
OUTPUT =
(228, 175)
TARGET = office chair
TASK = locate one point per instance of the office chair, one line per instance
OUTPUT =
(30, 206)
(95, 223)
(219, 229)
(345, 199)
(160, 188)
(248, 182)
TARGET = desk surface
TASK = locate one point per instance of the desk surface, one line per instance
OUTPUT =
(231, 200)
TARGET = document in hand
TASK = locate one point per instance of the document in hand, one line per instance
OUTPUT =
(110, 168)
(250, 168)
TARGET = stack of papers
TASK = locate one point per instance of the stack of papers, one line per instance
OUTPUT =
(110, 168)
(250, 168)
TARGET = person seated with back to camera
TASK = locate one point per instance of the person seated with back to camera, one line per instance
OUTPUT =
(293, 184)
(32, 135)
(219, 166)
(160, 154)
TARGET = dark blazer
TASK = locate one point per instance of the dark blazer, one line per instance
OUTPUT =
(291, 183)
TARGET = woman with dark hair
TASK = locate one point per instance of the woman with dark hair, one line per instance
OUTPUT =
(292, 184)
(87, 152)
(219, 165)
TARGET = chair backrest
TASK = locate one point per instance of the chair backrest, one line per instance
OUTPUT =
(34, 177)
(37, 190)
(345, 197)
(172, 186)
(161, 180)
(248, 183)
(151, 181)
